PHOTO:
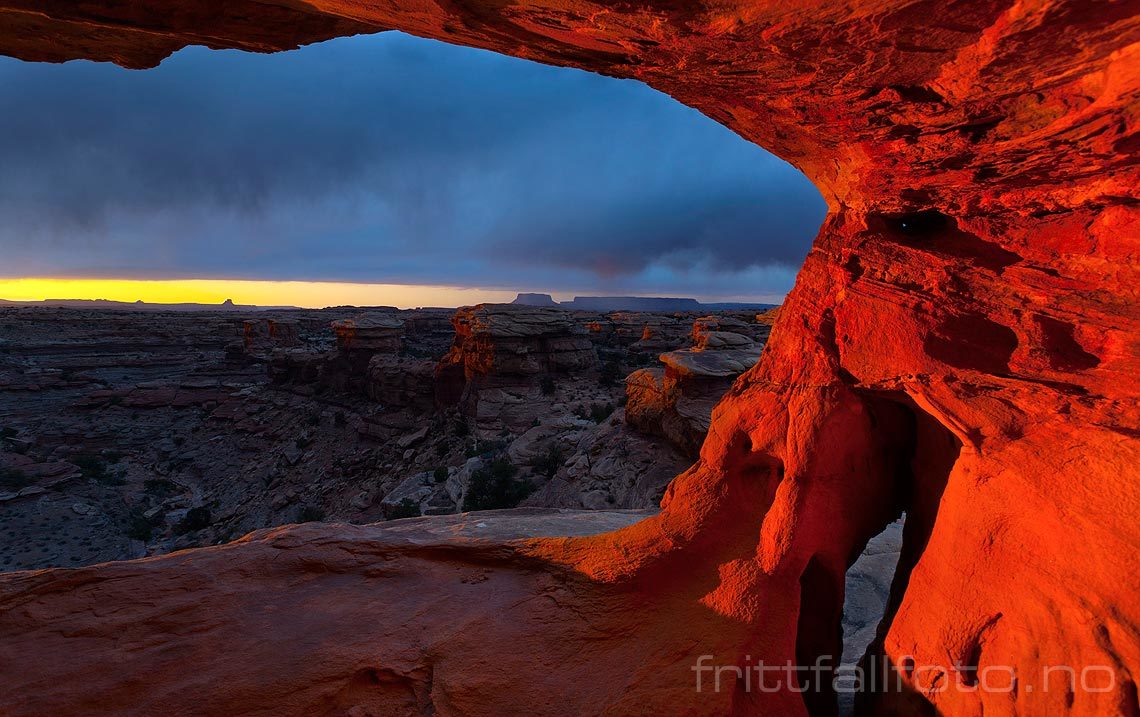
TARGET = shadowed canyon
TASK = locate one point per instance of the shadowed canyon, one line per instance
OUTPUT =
(961, 346)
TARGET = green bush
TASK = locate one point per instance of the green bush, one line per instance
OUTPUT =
(95, 468)
(600, 412)
(139, 527)
(549, 463)
(406, 508)
(14, 479)
(495, 486)
(310, 514)
(547, 385)
(611, 372)
(460, 428)
(160, 487)
(440, 474)
(195, 519)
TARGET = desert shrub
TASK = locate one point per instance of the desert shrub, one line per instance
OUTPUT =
(159, 487)
(406, 508)
(95, 468)
(14, 479)
(314, 419)
(611, 372)
(8, 432)
(547, 385)
(195, 519)
(549, 463)
(91, 466)
(460, 428)
(494, 486)
(310, 514)
(441, 449)
(340, 419)
(439, 474)
(139, 527)
(600, 412)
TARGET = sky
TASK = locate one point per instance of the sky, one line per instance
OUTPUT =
(382, 160)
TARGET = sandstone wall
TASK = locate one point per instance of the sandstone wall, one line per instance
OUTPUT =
(961, 343)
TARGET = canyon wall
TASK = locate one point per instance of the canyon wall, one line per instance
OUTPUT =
(961, 344)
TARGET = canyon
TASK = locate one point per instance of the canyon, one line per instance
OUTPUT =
(960, 345)
(131, 434)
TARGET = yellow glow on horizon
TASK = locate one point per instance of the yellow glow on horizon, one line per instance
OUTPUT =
(304, 294)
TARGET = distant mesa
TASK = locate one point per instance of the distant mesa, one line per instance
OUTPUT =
(535, 300)
(140, 305)
(635, 303)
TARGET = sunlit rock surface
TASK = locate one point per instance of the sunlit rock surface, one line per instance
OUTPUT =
(961, 343)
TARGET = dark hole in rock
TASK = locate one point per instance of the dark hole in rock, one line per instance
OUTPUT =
(927, 222)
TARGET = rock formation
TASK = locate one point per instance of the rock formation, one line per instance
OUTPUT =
(961, 343)
(372, 334)
(676, 400)
(372, 358)
(535, 300)
(500, 353)
(262, 336)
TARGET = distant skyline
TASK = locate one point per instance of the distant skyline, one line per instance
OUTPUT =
(392, 165)
(302, 294)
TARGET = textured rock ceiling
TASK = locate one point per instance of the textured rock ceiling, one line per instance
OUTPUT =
(961, 344)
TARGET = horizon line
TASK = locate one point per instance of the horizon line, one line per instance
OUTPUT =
(296, 293)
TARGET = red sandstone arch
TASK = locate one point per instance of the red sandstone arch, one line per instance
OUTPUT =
(962, 340)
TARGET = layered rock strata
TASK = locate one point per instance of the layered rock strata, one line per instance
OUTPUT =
(676, 400)
(500, 355)
(961, 343)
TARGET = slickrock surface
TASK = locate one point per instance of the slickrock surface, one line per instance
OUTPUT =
(961, 343)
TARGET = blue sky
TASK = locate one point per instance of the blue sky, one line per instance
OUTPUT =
(387, 158)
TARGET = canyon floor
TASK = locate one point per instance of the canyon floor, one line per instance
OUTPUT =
(127, 434)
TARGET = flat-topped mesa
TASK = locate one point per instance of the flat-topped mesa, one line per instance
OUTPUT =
(676, 400)
(961, 344)
(526, 299)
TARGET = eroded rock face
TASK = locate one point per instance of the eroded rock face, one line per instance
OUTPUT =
(261, 337)
(500, 354)
(676, 400)
(961, 343)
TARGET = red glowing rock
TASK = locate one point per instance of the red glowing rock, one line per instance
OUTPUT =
(961, 344)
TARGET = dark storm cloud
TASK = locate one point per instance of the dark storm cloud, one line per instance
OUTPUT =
(387, 158)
